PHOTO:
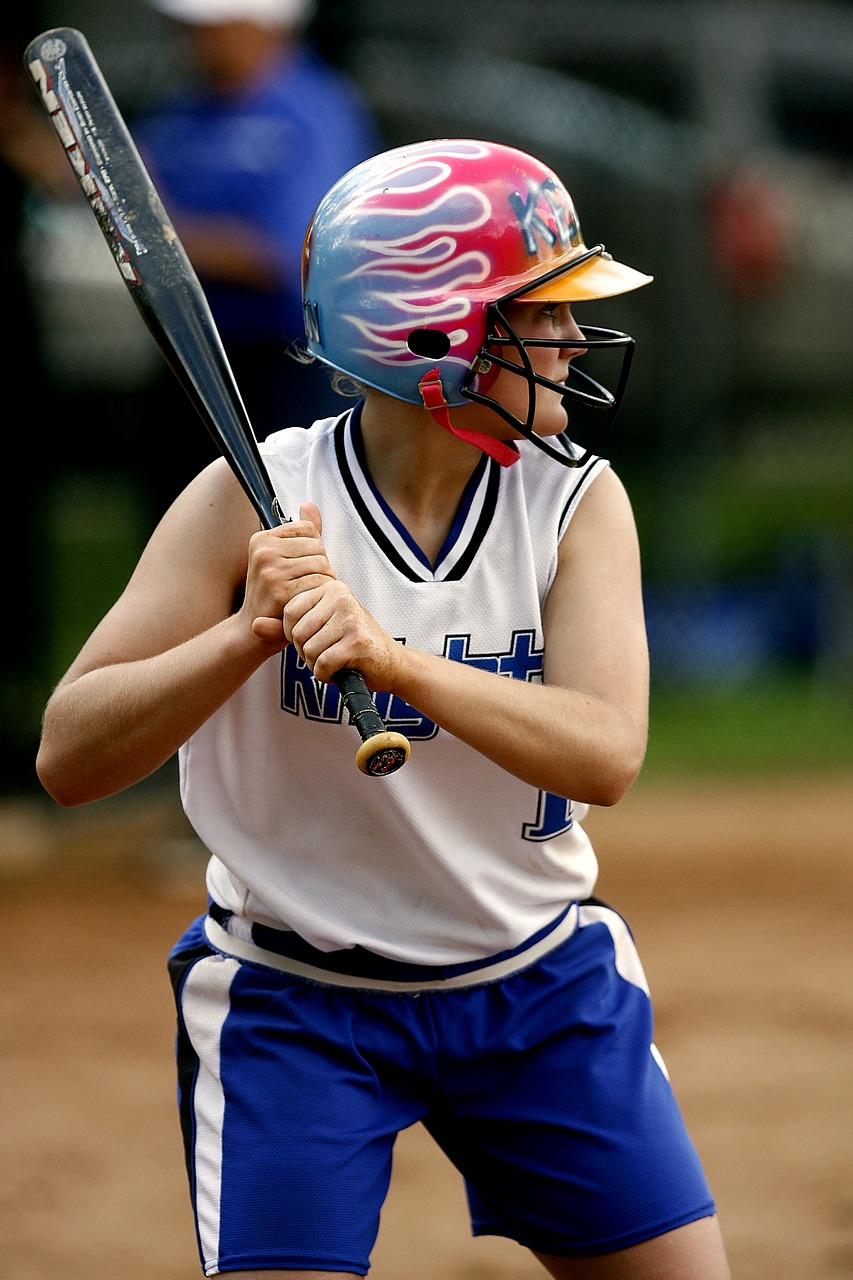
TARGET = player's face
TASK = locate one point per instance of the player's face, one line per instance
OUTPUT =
(552, 321)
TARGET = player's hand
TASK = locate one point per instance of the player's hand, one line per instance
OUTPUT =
(283, 563)
(330, 629)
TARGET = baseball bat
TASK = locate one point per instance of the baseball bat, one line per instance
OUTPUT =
(169, 297)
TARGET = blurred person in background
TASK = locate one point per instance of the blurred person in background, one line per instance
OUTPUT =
(241, 152)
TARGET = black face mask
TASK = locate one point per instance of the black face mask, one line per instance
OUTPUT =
(579, 388)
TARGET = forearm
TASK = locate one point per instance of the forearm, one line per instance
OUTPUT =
(108, 728)
(566, 741)
(233, 252)
(580, 734)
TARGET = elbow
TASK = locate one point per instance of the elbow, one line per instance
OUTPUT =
(53, 768)
(615, 775)
(623, 762)
(608, 791)
(56, 790)
(58, 781)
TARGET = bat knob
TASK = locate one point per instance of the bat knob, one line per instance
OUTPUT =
(383, 754)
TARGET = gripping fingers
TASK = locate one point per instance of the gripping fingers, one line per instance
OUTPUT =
(326, 627)
(294, 549)
(309, 609)
(281, 568)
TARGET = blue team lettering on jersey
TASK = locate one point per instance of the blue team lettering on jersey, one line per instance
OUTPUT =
(521, 661)
(301, 694)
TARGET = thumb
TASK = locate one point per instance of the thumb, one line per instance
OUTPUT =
(310, 511)
(269, 630)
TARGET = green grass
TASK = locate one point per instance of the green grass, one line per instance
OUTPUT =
(788, 725)
(94, 529)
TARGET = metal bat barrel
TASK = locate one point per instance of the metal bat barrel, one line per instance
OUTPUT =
(169, 297)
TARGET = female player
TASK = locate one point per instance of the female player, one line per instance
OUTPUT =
(422, 947)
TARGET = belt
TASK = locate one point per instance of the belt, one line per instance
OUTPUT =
(480, 974)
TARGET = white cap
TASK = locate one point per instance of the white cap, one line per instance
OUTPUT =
(266, 13)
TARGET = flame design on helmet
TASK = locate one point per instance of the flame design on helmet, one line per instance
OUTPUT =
(419, 278)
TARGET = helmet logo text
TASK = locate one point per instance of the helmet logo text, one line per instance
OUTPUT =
(311, 312)
(544, 217)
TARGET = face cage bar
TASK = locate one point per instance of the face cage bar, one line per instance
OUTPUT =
(594, 337)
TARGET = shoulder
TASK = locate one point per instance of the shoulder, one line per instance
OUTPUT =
(298, 442)
(602, 524)
(602, 489)
(291, 455)
(309, 68)
(213, 505)
(290, 78)
(177, 110)
(554, 492)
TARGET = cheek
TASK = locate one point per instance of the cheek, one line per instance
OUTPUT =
(512, 390)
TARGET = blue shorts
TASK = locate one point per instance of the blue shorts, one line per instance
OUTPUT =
(543, 1087)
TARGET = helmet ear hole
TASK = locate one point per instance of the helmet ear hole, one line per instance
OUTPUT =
(432, 344)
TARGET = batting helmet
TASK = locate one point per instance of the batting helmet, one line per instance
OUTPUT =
(411, 257)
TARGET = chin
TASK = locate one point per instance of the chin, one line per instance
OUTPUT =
(553, 426)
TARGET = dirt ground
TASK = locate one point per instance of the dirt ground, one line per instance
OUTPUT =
(740, 899)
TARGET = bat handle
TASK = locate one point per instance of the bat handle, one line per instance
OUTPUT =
(381, 752)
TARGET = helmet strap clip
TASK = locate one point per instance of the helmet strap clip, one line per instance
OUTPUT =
(432, 394)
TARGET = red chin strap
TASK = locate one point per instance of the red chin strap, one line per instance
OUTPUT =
(432, 394)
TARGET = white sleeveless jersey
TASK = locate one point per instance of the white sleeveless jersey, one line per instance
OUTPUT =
(451, 858)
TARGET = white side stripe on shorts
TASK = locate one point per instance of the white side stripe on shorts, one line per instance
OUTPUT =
(627, 960)
(628, 963)
(205, 1005)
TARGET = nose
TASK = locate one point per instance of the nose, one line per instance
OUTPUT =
(573, 338)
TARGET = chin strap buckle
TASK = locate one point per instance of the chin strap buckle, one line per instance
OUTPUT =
(432, 394)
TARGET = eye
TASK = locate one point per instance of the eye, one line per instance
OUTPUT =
(556, 313)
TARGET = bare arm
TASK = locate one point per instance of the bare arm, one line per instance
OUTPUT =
(172, 649)
(582, 733)
(232, 251)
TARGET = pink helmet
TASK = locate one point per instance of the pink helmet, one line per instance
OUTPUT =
(410, 256)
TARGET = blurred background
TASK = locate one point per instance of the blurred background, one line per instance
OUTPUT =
(711, 145)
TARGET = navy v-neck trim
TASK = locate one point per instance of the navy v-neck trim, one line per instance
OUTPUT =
(470, 523)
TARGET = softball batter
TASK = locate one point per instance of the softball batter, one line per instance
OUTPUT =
(426, 946)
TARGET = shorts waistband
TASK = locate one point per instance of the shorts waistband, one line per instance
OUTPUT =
(475, 974)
